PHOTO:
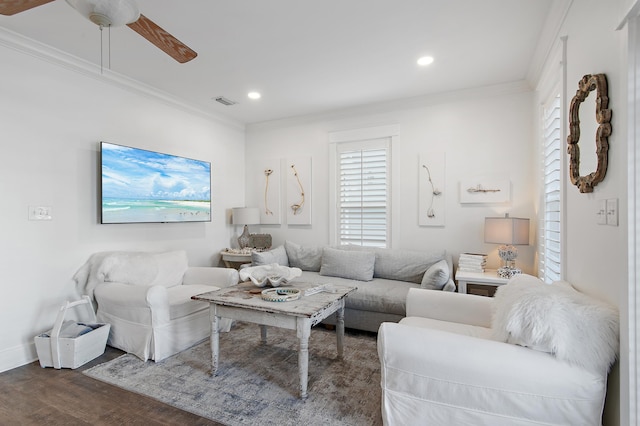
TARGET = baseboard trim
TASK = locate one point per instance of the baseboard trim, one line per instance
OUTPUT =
(17, 356)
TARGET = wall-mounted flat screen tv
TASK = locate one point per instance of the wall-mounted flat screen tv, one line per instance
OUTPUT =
(140, 186)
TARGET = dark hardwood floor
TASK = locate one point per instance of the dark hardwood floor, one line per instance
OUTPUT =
(31, 395)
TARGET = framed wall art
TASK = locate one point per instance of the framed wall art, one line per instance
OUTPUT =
(298, 181)
(431, 183)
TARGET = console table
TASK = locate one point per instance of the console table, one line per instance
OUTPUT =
(479, 283)
(234, 260)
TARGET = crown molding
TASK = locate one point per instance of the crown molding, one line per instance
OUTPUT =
(25, 45)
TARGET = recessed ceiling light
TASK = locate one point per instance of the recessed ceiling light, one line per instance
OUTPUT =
(425, 60)
(254, 95)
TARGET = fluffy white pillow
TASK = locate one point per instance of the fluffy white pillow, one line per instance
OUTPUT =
(557, 319)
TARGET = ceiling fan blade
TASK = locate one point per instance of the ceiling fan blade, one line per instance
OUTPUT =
(162, 39)
(11, 7)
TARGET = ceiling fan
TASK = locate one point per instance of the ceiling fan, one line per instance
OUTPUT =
(114, 13)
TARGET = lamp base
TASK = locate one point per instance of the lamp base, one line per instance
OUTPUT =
(508, 272)
(245, 239)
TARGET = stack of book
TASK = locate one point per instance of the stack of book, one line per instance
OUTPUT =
(472, 262)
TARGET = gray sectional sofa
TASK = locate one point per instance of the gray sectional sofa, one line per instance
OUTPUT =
(383, 277)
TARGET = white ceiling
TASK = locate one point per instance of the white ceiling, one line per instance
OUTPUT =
(304, 56)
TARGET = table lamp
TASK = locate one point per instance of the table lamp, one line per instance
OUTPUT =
(508, 232)
(245, 216)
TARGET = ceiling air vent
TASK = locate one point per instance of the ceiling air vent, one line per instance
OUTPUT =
(225, 101)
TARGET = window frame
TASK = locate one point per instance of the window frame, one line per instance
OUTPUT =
(390, 132)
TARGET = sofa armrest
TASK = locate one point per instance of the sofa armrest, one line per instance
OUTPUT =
(214, 276)
(427, 371)
(140, 304)
(447, 306)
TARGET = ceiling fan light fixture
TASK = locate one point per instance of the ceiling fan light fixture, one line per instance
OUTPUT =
(105, 13)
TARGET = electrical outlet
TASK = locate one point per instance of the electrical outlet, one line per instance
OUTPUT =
(612, 211)
(40, 213)
(602, 212)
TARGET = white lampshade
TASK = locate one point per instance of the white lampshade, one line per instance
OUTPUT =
(506, 230)
(246, 216)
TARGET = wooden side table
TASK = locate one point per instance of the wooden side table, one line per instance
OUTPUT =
(479, 283)
(234, 260)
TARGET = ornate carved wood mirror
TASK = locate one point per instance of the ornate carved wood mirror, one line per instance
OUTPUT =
(586, 85)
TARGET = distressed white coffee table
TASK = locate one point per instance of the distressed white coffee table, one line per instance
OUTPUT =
(238, 303)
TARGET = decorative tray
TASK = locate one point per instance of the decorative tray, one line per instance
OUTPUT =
(281, 294)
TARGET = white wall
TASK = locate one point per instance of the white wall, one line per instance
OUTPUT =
(596, 255)
(484, 131)
(53, 118)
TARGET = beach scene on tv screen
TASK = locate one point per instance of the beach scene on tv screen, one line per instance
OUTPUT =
(147, 186)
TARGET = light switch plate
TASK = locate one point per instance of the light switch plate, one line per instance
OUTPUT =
(612, 211)
(602, 212)
(40, 213)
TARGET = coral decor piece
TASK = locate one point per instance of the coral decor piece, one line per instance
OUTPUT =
(297, 207)
(267, 173)
(434, 193)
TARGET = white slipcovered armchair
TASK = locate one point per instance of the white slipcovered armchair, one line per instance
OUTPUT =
(146, 297)
(536, 354)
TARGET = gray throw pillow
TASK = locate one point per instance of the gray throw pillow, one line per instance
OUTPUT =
(354, 265)
(305, 258)
(401, 265)
(277, 255)
(436, 276)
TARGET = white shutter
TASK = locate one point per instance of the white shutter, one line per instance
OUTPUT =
(550, 241)
(363, 194)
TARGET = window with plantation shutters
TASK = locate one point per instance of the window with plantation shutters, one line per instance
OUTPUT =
(363, 202)
(551, 214)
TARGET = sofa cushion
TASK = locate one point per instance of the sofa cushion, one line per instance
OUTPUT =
(355, 265)
(277, 255)
(402, 265)
(556, 319)
(305, 258)
(377, 295)
(436, 276)
(180, 302)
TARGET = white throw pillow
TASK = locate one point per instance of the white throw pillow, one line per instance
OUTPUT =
(129, 268)
(557, 319)
(146, 269)
(171, 268)
(354, 265)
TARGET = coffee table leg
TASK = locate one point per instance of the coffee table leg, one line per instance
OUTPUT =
(304, 331)
(263, 334)
(215, 341)
(340, 330)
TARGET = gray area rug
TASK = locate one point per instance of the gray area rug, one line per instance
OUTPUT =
(258, 384)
